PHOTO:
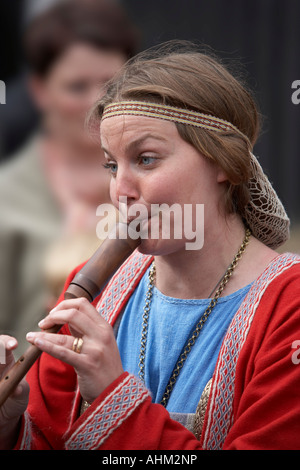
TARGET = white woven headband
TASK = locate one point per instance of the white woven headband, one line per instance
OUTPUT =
(265, 214)
(170, 113)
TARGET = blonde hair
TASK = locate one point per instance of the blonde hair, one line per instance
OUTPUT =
(178, 74)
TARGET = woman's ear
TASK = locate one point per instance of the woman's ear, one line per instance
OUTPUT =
(221, 175)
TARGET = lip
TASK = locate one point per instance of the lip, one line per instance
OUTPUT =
(144, 217)
(136, 218)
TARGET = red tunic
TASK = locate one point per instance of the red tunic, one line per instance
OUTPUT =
(254, 400)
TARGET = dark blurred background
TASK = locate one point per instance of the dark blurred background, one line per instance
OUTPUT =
(264, 35)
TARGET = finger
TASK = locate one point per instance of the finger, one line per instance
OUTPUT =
(78, 320)
(7, 346)
(79, 305)
(78, 323)
(38, 339)
(21, 390)
(58, 346)
(9, 342)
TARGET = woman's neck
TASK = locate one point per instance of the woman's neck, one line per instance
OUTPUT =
(196, 274)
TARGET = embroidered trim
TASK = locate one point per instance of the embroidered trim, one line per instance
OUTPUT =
(171, 113)
(27, 436)
(201, 410)
(122, 285)
(84, 406)
(220, 409)
(108, 416)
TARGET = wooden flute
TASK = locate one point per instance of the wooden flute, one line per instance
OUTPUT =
(88, 283)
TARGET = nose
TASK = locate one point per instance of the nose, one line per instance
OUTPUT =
(125, 185)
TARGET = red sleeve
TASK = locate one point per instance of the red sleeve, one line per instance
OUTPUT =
(53, 386)
(267, 402)
(118, 418)
(123, 417)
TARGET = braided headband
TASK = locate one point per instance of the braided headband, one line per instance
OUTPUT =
(171, 113)
(264, 214)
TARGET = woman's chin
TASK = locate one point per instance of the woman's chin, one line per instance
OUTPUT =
(159, 247)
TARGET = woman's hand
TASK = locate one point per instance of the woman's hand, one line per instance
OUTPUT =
(16, 404)
(98, 364)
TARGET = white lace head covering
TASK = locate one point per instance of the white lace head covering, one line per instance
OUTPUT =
(264, 214)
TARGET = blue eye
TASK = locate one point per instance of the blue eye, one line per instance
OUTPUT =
(112, 167)
(145, 160)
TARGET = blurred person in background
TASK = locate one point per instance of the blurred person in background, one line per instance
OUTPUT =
(50, 190)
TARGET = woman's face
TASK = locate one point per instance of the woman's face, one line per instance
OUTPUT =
(151, 165)
(73, 84)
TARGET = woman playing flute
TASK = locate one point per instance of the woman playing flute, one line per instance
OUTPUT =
(185, 348)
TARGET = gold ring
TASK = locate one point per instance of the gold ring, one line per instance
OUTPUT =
(77, 345)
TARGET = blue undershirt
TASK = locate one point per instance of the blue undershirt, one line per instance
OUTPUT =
(171, 322)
